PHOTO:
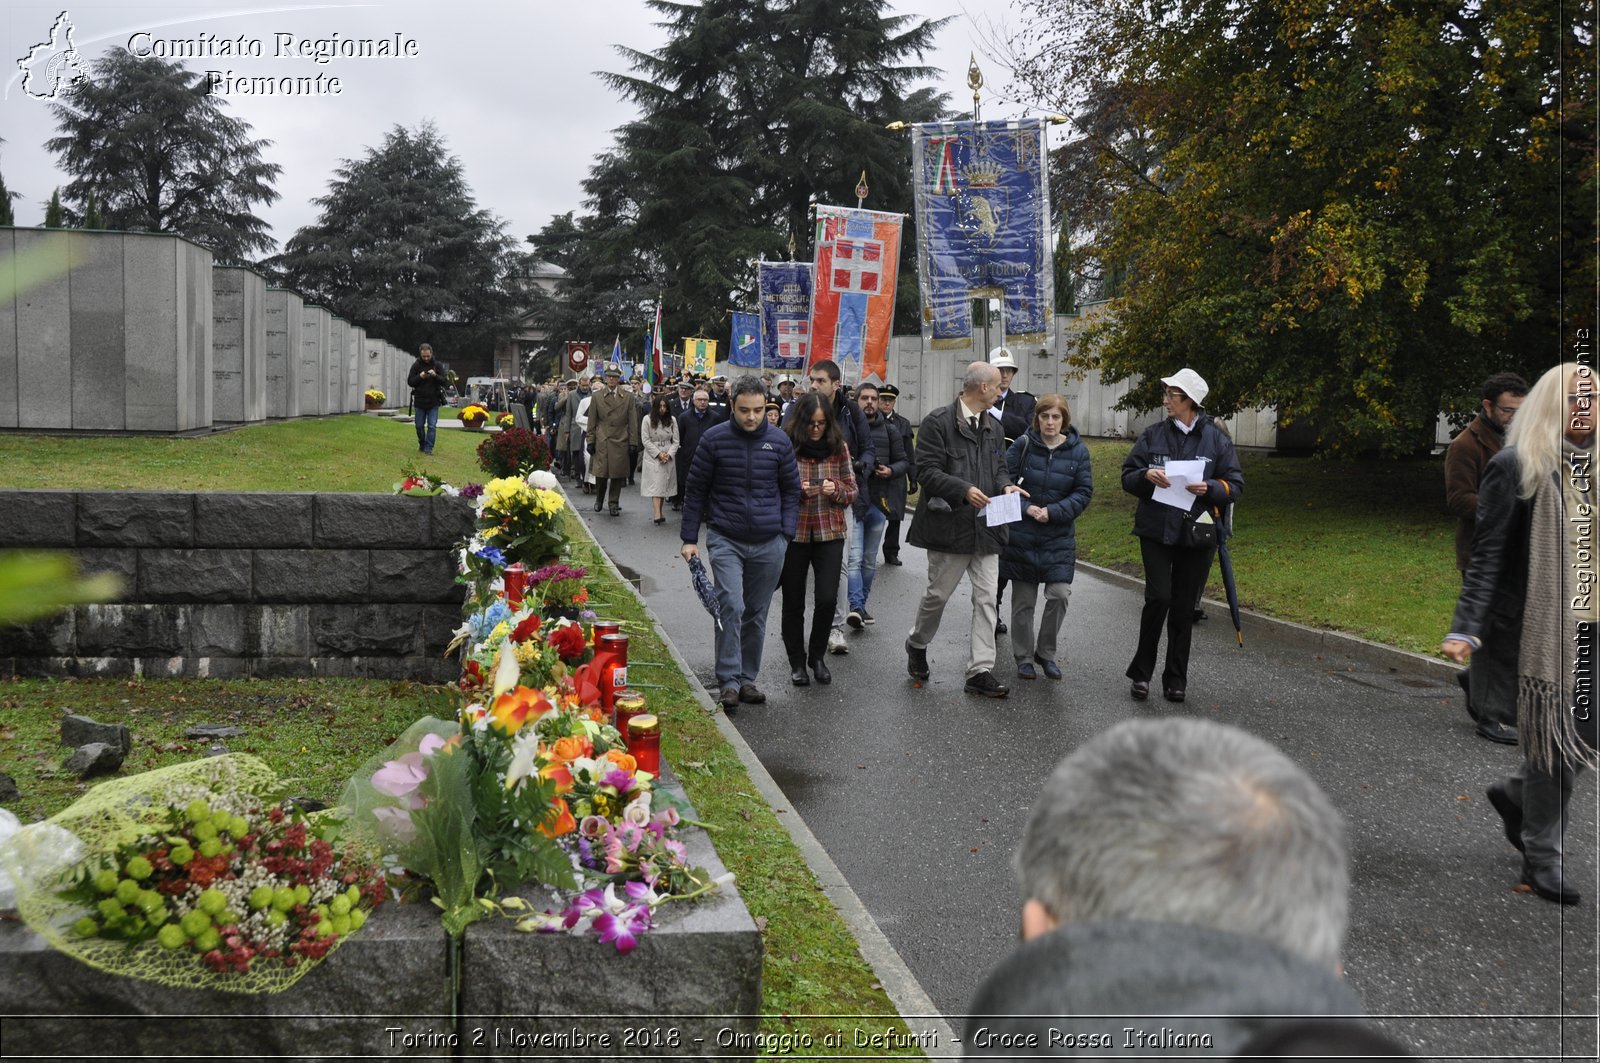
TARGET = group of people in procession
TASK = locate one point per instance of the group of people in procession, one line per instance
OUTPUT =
(854, 461)
(800, 488)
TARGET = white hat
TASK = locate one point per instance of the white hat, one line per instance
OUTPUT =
(1001, 358)
(1190, 383)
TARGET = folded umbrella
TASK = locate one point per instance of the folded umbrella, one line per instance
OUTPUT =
(1225, 564)
(702, 586)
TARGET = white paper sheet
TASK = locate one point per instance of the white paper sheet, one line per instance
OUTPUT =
(1003, 509)
(1180, 474)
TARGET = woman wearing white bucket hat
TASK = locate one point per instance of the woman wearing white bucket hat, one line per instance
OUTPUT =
(1177, 543)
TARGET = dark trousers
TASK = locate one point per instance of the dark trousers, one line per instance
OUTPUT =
(1172, 574)
(824, 560)
(575, 463)
(602, 484)
(891, 541)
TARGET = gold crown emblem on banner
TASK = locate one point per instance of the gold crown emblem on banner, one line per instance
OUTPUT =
(981, 174)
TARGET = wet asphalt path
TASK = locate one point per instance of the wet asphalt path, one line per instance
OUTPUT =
(919, 795)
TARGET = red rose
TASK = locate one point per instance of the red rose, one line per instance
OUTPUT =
(526, 630)
(568, 641)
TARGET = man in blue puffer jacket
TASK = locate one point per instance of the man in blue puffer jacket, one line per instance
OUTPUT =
(745, 486)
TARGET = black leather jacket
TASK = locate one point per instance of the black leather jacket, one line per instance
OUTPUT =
(1496, 580)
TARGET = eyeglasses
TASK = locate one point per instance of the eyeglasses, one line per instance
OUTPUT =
(1176, 393)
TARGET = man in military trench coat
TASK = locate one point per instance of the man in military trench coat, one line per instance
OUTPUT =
(613, 432)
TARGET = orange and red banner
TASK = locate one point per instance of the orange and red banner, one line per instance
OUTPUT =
(852, 310)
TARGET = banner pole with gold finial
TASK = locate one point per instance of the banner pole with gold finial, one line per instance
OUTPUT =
(861, 190)
(974, 82)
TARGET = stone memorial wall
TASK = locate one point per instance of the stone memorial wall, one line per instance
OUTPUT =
(355, 354)
(238, 345)
(104, 331)
(315, 323)
(284, 310)
(338, 341)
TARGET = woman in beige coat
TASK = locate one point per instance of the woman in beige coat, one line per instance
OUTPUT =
(659, 435)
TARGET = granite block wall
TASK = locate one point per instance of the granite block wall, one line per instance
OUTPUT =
(238, 345)
(245, 584)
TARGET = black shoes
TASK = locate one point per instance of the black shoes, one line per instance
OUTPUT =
(1025, 670)
(1548, 883)
(999, 627)
(856, 619)
(1172, 693)
(599, 502)
(1495, 731)
(892, 561)
(616, 510)
(986, 685)
(798, 676)
(820, 670)
(1140, 690)
(916, 661)
(1051, 669)
(729, 696)
(750, 695)
(866, 617)
(1510, 813)
(661, 520)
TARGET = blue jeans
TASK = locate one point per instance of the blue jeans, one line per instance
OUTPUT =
(746, 575)
(865, 539)
(427, 427)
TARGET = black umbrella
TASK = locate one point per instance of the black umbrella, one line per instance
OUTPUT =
(702, 586)
(1225, 564)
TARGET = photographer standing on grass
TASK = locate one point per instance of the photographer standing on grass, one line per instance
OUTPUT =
(427, 395)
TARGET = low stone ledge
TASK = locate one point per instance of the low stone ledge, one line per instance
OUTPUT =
(387, 976)
(279, 521)
(135, 518)
(414, 576)
(691, 986)
(372, 521)
(39, 519)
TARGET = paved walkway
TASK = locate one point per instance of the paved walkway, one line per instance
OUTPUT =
(919, 795)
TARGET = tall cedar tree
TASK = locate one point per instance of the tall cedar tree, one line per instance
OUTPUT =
(7, 215)
(1351, 210)
(164, 157)
(750, 112)
(53, 218)
(401, 248)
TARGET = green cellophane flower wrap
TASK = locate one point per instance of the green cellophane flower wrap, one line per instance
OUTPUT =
(414, 801)
(193, 876)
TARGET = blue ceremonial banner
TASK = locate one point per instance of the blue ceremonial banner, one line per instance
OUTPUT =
(785, 315)
(745, 348)
(983, 227)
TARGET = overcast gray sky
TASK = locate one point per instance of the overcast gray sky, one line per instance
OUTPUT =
(511, 86)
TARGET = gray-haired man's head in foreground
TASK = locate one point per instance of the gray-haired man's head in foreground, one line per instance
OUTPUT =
(1184, 821)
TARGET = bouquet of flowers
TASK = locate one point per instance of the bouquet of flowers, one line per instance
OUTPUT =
(522, 521)
(196, 875)
(473, 415)
(559, 588)
(513, 452)
(375, 397)
(417, 483)
(505, 420)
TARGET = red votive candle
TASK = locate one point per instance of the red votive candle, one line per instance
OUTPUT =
(516, 577)
(644, 742)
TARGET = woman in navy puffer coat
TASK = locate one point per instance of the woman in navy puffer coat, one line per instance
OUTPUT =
(1051, 464)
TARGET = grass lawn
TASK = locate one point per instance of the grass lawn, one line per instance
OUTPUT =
(1358, 546)
(350, 452)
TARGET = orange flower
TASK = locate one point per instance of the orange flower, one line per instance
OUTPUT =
(559, 774)
(569, 749)
(581, 597)
(564, 823)
(622, 760)
(516, 707)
